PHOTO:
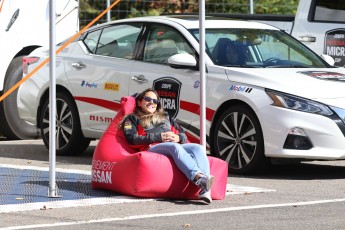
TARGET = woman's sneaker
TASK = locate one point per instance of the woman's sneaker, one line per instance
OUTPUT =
(205, 196)
(205, 182)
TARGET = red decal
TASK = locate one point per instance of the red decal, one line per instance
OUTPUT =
(115, 106)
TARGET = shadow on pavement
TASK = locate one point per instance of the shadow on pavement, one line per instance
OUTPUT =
(310, 170)
(34, 150)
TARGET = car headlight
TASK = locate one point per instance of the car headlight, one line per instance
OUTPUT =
(339, 112)
(297, 103)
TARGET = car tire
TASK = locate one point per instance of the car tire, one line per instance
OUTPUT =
(69, 137)
(12, 126)
(238, 140)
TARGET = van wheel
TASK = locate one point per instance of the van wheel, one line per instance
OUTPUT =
(239, 141)
(12, 126)
(69, 137)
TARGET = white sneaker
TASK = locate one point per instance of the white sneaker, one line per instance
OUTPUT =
(205, 196)
(205, 182)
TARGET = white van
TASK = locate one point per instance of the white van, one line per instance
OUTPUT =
(24, 26)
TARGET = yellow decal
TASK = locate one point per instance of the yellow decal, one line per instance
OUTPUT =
(128, 125)
(111, 86)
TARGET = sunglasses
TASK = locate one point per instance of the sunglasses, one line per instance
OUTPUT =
(148, 99)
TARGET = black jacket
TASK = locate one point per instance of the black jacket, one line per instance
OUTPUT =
(139, 137)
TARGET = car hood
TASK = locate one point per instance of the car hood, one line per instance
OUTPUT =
(316, 84)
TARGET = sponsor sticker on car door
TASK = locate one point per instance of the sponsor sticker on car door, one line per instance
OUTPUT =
(169, 92)
(335, 45)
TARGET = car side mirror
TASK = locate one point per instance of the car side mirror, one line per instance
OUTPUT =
(328, 59)
(181, 61)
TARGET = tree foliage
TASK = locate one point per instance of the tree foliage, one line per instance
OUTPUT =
(89, 9)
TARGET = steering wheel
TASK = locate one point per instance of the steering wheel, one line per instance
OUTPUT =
(271, 61)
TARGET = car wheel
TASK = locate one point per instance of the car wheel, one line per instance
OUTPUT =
(239, 141)
(69, 137)
(12, 126)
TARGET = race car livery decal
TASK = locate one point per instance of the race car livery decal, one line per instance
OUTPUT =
(111, 105)
(168, 90)
(112, 86)
(100, 118)
(196, 84)
(331, 76)
(335, 46)
(240, 88)
(89, 85)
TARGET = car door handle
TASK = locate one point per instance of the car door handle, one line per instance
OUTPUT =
(12, 20)
(307, 39)
(140, 78)
(78, 65)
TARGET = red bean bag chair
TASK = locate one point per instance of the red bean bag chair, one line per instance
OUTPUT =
(119, 168)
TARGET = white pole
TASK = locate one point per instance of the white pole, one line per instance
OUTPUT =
(52, 100)
(251, 7)
(108, 13)
(202, 68)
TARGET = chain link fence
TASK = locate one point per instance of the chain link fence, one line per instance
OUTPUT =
(135, 8)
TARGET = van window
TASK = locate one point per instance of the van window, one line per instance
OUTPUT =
(329, 11)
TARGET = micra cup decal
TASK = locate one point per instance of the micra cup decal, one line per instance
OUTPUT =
(335, 46)
(168, 90)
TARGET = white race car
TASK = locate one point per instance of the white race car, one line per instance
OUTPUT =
(268, 95)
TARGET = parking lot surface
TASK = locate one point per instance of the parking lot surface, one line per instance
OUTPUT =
(308, 195)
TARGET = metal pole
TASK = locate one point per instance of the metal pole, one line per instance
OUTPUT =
(108, 13)
(251, 7)
(52, 100)
(202, 68)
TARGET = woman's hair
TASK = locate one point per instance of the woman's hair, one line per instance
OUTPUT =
(147, 119)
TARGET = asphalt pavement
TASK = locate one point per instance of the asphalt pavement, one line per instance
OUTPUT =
(303, 196)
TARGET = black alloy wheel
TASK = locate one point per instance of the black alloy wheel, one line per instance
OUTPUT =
(69, 137)
(238, 140)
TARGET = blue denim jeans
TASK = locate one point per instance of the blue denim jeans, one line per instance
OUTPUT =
(190, 158)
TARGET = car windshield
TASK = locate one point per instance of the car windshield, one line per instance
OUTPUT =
(253, 48)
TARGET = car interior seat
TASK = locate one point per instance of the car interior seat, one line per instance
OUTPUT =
(219, 52)
(162, 51)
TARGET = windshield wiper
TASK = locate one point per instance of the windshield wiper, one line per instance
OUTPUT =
(287, 66)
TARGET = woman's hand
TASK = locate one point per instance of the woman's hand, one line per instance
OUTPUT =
(170, 137)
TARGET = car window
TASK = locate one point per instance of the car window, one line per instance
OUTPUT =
(91, 40)
(329, 11)
(162, 43)
(115, 41)
(257, 48)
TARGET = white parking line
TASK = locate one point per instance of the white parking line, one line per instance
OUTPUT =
(232, 189)
(175, 214)
(68, 203)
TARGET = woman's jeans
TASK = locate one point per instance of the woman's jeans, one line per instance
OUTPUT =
(190, 158)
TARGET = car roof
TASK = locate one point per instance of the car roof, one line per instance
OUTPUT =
(192, 22)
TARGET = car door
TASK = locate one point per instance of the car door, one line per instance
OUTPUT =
(100, 75)
(178, 88)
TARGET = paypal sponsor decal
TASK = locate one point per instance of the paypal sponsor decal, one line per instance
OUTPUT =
(240, 88)
(87, 84)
